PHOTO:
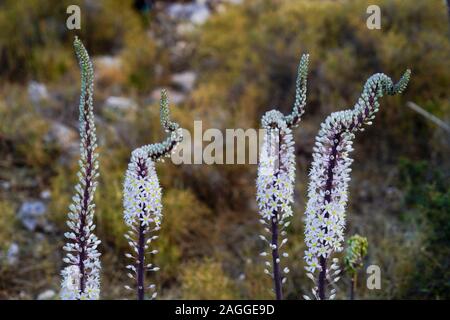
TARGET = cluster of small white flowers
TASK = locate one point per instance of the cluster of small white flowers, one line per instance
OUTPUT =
(71, 284)
(142, 200)
(81, 278)
(275, 195)
(142, 193)
(325, 211)
(330, 175)
(276, 174)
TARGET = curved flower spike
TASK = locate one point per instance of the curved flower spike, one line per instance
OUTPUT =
(276, 177)
(329, 177)
(81, 279)
(275, 119)
(158, 151)
(375, 87)
(142, 200)
(293, 119)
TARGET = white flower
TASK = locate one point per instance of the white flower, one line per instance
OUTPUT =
(142, 193)
(276, 174)
(70, 287)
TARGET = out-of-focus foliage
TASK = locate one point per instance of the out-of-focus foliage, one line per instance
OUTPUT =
(143, 62)
(206, 280)
(428, 197)
(23, 133)
(7, 221)
(185, 233)
(30, 40)
(40, 47)
(261, 42)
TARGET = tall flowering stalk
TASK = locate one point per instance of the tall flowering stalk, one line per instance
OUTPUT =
(81, 277)
(329, 177)
(142, 200)
(276, 178)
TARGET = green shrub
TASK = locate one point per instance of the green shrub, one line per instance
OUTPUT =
(427, 195)
(144, 63)
(7, 225)
(41, 46)
(206, 281)
(23, 133)
(257, 45)
(36, 38)
(185, 231)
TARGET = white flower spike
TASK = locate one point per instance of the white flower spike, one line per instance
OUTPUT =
(330, 174)
(81, 278)
(276, 176)
(142, 199)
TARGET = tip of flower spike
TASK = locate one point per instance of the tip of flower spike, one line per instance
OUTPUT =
(77, 43)
(164, 108)
(293, 119)
(401, 85)
(303, 66)
(169, 126)
(83, 57)
(163, 93)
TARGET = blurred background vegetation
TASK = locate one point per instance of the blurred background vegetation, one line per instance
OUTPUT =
(226, 63)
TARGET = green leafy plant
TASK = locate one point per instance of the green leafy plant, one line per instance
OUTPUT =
(355, 253)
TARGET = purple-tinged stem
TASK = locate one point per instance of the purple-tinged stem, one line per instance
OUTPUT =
(141, 262)
(84, 209)
(353, 287)
(140, 268)
(276, 258)
(328, 187)
(274, 242)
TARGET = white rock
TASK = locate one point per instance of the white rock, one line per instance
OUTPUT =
(37, 92)
(108, 69)
(120, 103)
(12, 256)
(184, 80)
(200, 15)
(46, 295)
(5, 185)
(31, 214)
(108, 62)
(65, 137)
(45, 194)
(183, 29)
(197, 12)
